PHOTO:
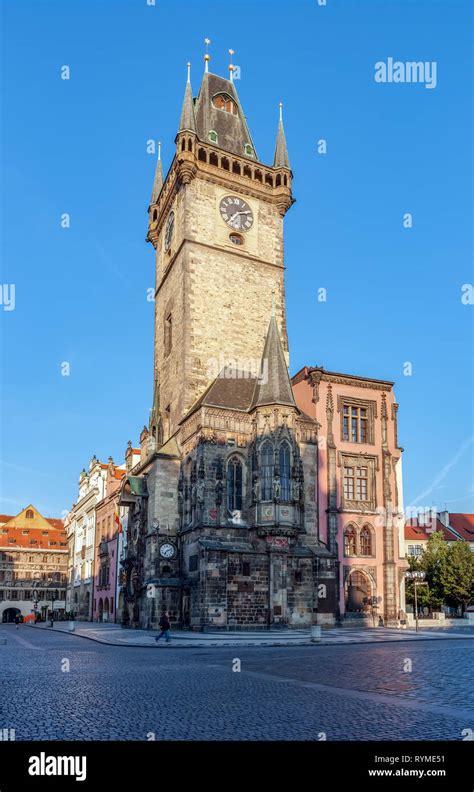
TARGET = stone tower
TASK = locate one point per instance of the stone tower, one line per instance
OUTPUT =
(222, 525)
(216, 223)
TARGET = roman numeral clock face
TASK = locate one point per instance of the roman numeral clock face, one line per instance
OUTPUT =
(236, 213)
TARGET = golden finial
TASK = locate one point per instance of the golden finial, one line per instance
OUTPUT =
(207, 57)
(159, 149)
(281, 111)
(189, 72)
(231, 65)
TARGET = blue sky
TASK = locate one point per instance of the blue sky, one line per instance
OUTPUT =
(79, 146)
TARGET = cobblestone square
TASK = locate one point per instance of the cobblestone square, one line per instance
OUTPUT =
(59, 687)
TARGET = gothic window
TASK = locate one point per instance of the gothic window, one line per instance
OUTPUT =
(267, 471)
(213, 136)
(350, 541)
(366, 541)
(168, 334)
(234, 485)
(29, 514)
(285, 472)
(226, 103)
(248, 150)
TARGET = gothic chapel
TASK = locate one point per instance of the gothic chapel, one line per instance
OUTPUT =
(222, 507)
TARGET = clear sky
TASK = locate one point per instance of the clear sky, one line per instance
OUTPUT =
(78, 146)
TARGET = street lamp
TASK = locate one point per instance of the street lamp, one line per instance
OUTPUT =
(54, 597)
(35, 604)
(418, 578)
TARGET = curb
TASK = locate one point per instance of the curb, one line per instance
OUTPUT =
(259, 646)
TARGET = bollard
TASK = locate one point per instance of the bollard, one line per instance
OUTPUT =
(315, 633)
(71, 626)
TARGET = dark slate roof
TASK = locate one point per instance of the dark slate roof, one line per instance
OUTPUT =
(276, 388)
(232, 130)
(187, 120)
(234, 392)
(281, 159)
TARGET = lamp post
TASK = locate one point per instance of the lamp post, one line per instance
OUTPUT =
(418, 578)
(35, 604)
(54, 597)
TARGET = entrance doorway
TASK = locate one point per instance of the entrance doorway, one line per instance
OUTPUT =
(9, 615)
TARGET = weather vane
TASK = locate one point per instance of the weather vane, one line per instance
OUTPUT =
(231, 65)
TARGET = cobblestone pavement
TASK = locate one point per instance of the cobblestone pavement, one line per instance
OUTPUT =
(353, 692)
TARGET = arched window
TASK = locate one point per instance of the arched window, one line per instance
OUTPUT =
(29, 514)
(168, 334)
(226, 103)
(285, 472)
(234, 485)
(350, 541)
(366, 541)
(267, 471)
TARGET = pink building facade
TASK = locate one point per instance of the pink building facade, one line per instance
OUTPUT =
(360, 495)
(104, 606)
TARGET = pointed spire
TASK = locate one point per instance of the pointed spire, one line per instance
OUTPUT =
(158, 180)
(187, 120)
(207, 57)
(273, 384)
(231, 65)
(281, 159)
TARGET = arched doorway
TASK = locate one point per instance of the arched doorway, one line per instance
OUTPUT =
(105, 617)
(9, 615)
(358, 592)
(101, 610)
(87, 605)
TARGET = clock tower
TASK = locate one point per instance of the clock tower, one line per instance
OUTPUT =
(216, 224)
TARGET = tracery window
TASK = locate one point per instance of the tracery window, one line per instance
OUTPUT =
(234, 484)
(284, 471)
(267, 471)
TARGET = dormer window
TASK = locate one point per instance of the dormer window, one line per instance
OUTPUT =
(248, 150)
(226, 103)
(213, 136)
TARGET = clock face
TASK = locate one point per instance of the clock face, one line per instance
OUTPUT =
(169, 230)
(236, 213)
(167, 550)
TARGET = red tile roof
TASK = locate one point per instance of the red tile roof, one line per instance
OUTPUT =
(422, 533)
(463, 524)
(460, 525)
(40, 542)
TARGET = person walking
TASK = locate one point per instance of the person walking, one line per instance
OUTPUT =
(17, 621)
(165, 628)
